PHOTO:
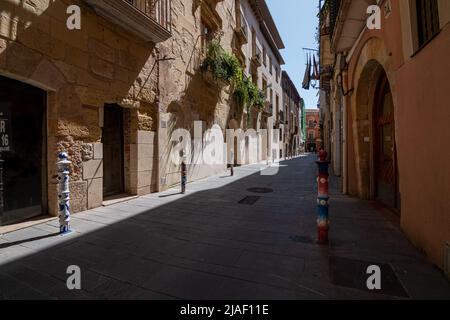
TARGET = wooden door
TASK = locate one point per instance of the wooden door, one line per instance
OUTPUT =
(385, 152)
(22, 112)
(113, 151)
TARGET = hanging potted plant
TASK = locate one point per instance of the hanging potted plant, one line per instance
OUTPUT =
(218, 65)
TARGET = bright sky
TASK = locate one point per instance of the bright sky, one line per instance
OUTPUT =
(297, 21)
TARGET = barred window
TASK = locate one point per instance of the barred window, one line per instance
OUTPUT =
(427, 20)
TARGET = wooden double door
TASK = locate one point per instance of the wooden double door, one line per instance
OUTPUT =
(385, 156)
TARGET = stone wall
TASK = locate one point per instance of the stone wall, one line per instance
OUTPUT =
(81, 70)
(187, 96)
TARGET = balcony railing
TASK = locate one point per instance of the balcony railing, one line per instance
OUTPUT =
(335, 6)
(158, 10)
(150, 20)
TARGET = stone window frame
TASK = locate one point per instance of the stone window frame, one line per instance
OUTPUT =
(264, 56)
(265, 86)
(270, 65)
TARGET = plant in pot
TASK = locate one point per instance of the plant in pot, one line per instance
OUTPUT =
(218, 65)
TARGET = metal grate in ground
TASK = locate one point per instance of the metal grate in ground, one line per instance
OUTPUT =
(249, 200)
(352, 273)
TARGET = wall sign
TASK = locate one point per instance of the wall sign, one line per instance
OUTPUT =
(5, 127)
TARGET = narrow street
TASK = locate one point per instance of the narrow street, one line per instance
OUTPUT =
(207, 245)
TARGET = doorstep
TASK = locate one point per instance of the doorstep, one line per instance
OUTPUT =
(25, 224)
(124, 197)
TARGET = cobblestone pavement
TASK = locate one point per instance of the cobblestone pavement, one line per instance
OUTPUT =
(207, 245)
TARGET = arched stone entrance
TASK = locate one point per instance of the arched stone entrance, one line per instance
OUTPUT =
(374, 131)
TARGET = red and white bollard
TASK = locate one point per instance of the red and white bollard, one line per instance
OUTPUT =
(323, 222)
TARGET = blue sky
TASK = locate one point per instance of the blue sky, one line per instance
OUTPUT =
(297, 21)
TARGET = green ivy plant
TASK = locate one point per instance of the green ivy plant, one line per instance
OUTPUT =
(226, 67)
(248, 95)
(222, 65)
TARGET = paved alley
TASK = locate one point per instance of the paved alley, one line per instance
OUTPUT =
(214, 243)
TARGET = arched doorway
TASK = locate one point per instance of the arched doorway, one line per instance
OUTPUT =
(385, 159)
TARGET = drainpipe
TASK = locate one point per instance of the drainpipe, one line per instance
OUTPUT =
(345, 134)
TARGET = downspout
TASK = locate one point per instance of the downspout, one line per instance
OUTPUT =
(344, 136)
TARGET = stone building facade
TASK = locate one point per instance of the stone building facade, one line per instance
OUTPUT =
(330, 94)
(262, 61)
(110, 94)
(389, 81)
(292, 134)
(313, 136)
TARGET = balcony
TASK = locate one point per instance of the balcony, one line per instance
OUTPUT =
(209, 13)
(241, 29)
(326, 71)
(149, 20)
(257, 57)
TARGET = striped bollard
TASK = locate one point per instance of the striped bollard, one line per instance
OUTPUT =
(64, 192)
(323, 222)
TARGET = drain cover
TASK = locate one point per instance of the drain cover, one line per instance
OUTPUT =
(250, 200)
(260, 190)
(352, 273)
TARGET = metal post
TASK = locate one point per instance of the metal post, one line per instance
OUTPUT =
(64, 192)
(2, 202)
(323, 222)
(183, 177)
(232, 163)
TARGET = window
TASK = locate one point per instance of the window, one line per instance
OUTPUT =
(277, 74)
(255, 77)
(427, 20)
(207, 33)
(277, 102)
(265, 56)
(270, 66)
(271, 96)
(264, 87)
